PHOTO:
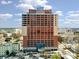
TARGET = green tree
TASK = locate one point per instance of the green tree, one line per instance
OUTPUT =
(55, 56)
(7, 52)
(13, 53)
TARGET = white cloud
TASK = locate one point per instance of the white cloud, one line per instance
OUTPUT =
(73, 13)
(25, 7)
(4, 2)
(18, 14)
(71, 20)
(60, 13)
(32, 4)
(66, 22)
(40, 2)
(47, 7)
(72, 17)
(5, 16)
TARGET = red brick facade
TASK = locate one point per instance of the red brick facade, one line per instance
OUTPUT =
(39, 29)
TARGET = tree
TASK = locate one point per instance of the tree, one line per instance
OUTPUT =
(7, 52)
(8, 39)
(15, 36)
(4, 35)
(24, 51)
(60, 39)
(55, 56)
(13, 53)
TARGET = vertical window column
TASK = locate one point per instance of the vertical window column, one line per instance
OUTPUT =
(50, 28)
(36, 28)
(44, 29)
(30, 26)
(40, 29)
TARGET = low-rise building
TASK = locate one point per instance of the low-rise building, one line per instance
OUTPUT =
(8, 47)
(69, 35)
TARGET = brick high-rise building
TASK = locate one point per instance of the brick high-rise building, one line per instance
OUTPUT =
(40, 26)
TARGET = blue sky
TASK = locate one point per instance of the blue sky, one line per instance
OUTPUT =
(11, 10)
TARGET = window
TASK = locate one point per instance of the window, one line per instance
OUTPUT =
(32, 43)
(38, 31)
(23, 24)
(24, 16)
(48, 36)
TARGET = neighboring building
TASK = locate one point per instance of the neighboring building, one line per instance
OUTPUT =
(70, 35)
(14, 34)
(10, 47)
(2, 39)
(40, 26)
(65, 32)
(75, 48)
